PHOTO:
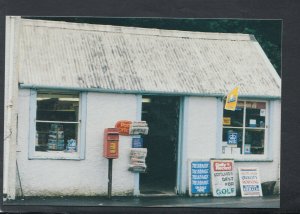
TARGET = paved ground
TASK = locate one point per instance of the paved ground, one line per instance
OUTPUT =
(171, 201)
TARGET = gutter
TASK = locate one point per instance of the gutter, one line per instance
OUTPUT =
(141, 92)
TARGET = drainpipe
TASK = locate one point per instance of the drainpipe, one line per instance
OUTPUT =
(11, 100)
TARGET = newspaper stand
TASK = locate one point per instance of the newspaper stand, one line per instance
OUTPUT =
(110, 151)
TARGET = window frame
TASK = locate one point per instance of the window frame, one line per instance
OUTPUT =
(247, 157)
(57, 155)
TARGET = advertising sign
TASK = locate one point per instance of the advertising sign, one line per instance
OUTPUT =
(232, 138)
(199, 177)
(227, 121)
(231, 100)
(137, 142)
(123, 126)
(222, 175)
(250, 182)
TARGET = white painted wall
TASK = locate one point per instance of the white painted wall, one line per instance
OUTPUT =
(83, 177)
(89, 176)
(203, 132)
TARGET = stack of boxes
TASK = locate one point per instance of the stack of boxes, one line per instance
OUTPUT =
(56, 138)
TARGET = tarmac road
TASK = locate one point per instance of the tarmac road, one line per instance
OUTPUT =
(155, 201)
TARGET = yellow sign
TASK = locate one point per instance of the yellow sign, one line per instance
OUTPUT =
(227, 121)
(231, 99)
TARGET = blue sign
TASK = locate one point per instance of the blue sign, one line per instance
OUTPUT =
(200, 177)
(137, 142)
(232, 138)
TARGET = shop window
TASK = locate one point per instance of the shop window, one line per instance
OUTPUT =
(244, 129)
(59, 129)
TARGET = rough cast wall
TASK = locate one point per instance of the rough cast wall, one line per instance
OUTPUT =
(201, 137)
(84, 177)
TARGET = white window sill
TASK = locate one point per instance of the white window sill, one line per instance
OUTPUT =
(55, 155)
(247, 158)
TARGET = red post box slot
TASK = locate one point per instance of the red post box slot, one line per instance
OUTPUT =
(111, 143)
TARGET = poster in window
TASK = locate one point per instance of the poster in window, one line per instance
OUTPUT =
(247, 148)
(232, 138)
(262, 112)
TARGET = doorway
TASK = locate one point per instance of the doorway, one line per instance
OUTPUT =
(162, 116)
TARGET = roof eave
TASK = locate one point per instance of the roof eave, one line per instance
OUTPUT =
(142, 92)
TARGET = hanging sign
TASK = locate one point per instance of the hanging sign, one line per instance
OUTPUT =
(222, 178)
(250, 181)
(123, 126)
(199, 178)
(231, 100)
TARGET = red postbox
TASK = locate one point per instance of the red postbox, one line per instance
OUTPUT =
(111, 143)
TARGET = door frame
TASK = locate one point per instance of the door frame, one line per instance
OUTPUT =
(180, 184)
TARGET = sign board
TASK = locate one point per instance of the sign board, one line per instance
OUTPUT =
(250, 181)
(123, 126)
(199, 177)
(137, 142)
(222, 178)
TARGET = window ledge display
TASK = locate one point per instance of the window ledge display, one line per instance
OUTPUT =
(248, 157)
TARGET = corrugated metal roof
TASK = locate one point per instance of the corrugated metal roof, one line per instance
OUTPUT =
(113, 58)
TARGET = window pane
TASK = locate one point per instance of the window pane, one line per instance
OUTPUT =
(56, 137)
(234, 118)
(232, 141)
(57, 107)
(254, 141)
(255, 114)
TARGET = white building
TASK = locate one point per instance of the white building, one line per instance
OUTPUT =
(75, 80)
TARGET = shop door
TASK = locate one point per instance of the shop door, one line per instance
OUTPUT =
(162, 116)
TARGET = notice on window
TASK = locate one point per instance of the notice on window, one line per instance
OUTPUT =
(222, 178)
(250, 181)
(199, 178)
(226, 121)
(232, 138)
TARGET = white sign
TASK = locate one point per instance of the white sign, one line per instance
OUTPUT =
(222, 176)
(262, 112)
(250, 181)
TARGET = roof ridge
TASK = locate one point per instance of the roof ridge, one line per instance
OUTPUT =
(138, 30)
